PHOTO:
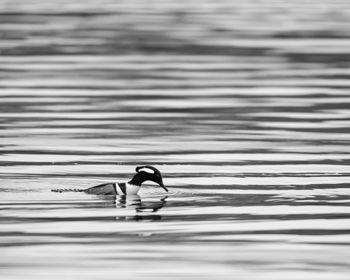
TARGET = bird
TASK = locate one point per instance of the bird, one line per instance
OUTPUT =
(143, 173)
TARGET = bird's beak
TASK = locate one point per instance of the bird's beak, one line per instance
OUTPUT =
(162, 185)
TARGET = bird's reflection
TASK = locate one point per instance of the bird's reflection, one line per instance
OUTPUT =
(140, 206)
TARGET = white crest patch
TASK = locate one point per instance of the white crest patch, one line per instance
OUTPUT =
(148, 170)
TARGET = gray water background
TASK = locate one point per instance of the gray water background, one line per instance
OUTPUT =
(243, 106)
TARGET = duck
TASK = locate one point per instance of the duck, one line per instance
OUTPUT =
(143, 173)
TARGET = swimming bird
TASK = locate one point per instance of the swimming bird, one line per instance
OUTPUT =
(143, 173)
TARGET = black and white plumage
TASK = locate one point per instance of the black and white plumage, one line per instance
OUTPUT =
(143, 173)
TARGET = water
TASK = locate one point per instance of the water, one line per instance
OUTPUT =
(243, 106)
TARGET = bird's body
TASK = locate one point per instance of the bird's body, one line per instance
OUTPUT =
(143, 173)
(114, 189)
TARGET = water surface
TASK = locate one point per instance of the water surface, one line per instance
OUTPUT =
(243, 106)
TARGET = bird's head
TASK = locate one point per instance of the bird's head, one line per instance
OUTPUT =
(148, 173)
